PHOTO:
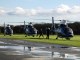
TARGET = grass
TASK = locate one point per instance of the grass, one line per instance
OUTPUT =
(75, 41)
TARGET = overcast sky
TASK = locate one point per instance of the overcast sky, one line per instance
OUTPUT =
(30, 10)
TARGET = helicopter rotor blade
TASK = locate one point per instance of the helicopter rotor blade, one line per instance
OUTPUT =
(41, 19)
(18, 22)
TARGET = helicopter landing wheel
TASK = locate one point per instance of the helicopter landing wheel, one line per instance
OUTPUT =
(56, 38)
(67, 38)
(33, 35)
(25, 36)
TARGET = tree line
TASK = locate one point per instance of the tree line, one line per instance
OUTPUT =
(19, 29)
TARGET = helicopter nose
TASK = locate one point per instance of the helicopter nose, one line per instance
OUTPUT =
(70, 35)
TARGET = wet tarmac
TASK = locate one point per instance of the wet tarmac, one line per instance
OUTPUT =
(18, 50)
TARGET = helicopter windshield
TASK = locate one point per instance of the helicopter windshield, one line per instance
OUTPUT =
(64, 22)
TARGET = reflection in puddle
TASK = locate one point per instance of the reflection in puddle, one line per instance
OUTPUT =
(37, 52)
(2, 42)
(40, 53)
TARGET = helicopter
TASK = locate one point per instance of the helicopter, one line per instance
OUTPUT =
(63, 30)
(7, 30)
(29, 29)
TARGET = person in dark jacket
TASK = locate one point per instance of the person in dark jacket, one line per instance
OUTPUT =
(47, 33)
(41, 33)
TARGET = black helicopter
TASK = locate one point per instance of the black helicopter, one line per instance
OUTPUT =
(7, 30)
(29, 29)
(63, 30)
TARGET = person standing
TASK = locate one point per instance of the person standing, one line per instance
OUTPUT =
(47, 33)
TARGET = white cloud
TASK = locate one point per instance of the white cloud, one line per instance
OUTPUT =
(2, 12)
(62, 11)
(68, 10)
(75, 9)
(19, 10)
(33, 12)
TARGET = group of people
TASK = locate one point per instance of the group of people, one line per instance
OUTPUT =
(47, 33)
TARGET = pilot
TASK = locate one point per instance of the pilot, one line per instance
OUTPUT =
(47, 32)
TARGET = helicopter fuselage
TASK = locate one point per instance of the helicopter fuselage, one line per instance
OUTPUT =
(63, 31)
(8, 31)
(30, 30)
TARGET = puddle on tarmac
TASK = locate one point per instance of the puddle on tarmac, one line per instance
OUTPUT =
(40, 53)
(2, 42)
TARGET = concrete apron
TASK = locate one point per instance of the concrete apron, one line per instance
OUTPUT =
(18, 50)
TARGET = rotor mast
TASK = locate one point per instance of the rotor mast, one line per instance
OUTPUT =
(53, 25)
(24, 24)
